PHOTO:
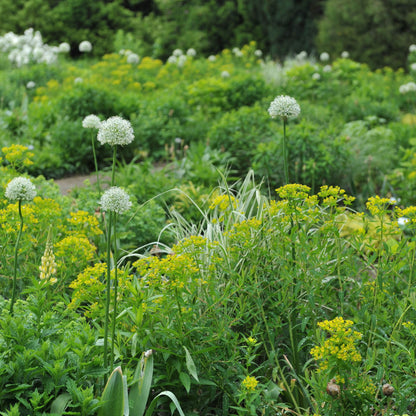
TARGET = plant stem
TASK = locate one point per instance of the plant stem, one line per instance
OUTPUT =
(113, 172)
(96, 165)
(285, 155)
(107, 304)
(16, 249)
(113, 330)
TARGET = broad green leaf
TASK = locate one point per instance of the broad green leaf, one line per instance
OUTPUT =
(113, 395)
(140, 389)
(169, 394)
(186, 381)
(190, 365)
(60, 403)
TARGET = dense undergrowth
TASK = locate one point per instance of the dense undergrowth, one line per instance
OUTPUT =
(256, 296)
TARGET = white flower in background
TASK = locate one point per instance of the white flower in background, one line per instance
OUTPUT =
(225, 74)
(345, 55)
(237, 52)
(85, 46)
(177, 52)
(30, 85)
(20, 189)
(412, 48)
(172, 59)
(191, 52)
(316, 76)
(324, 57)
(116, 200)
(181, 61)
(402, 221)
(91, 122)
(413, 66)
(409, 87)
(212, 58)
(284, 107)
(302, 55)
(133, 58)
(64, 47)
(327, 68)
(115, 131)
(78, 80)
(258, 53)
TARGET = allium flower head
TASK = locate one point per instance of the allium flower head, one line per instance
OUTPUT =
(64, 47)
(191, 52)
(212, 58)
(345, 55)
(413, 66)
(30, 85)
(284, 107)
(116, 200)
(177, 52)
(115, 131)
(172, 59)
(316, 76)
(20, 189)
(91, 122)
(324, 56)
(225, 74)
(327, 68)
(85, 46)
(412, 48)
(133, 58)
(258, 53)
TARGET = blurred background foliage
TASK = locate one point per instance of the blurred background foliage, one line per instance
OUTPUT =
(376, 32)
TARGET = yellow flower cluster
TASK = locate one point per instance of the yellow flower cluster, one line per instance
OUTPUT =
(249, 383)
(409, 213)
(340, 345)
(223, 202)
(82, 222)
(332, 195)
(74, 251)
(293, 191)
(18, 155)
(378, 206)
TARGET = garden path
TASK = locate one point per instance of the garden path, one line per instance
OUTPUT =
(76, 181)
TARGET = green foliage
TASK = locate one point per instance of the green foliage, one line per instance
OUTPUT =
(378, 33)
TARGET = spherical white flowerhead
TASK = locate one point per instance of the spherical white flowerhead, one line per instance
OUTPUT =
(115, 131)
(91, 122)
(172, 59)
(284, 107)
(133, 58)
(212, 58)
(177, 52)
(20, 189)
(413, 66)
(30, 85)
(64, 47)
(116, 200)
(85, 46)
(412, 48)
(345, 55)
(191, 52)
(225, 74)
(316, 76)
(258, 53)
(327, 68)
(324, 56)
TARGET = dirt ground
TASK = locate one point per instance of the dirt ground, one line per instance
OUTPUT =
(66, 184)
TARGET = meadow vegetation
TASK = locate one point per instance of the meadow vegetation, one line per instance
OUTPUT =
(233, 258)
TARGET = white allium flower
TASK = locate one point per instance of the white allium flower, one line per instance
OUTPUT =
(302, 55)
(172, 59)
(327, 68)
(191, 52)
(64, 47)
(402, 221)
(258, 53)
(316, 76)
(177, 52)
(30, 85)
(91, 122)
(225, 74)
(345, 55)
(412, 48)
(212, 58)
(409, 87)
(115, 131)
(324, 56)
(85, 46)
(20, 189)
(181, 60)
(133, 58)
(78, 80)
(285, 107)
(413, 66)
(116, 200)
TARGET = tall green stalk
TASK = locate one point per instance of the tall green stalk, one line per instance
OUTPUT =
(16, 250)
(113, 330)
(95, 164)
(285, 153)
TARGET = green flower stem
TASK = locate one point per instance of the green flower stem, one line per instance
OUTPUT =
(113, 330)
(113, 172)
(95, 164)
(107, 304)
(285, 155)
(16, 249)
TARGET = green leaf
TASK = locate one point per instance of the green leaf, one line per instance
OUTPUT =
(168, 394)
(113, 395)
(186, 381)
(60, 403)
(190, 365)
(140, 389)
